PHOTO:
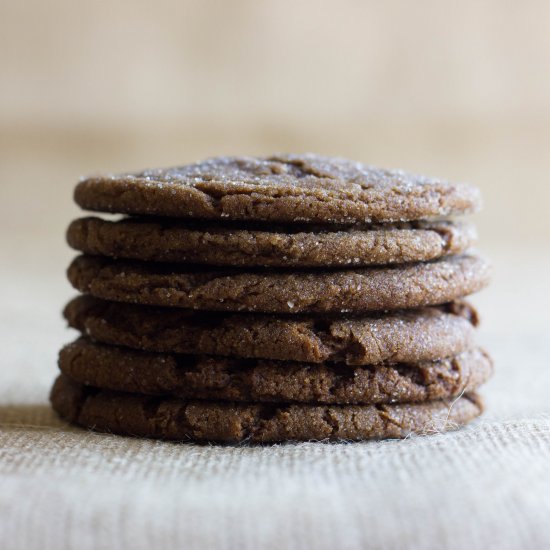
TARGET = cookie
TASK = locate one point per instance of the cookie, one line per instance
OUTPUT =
(359, 290)
(193, 242)
(405, 336)
(282, 188)
(257, 380)
(174, 419)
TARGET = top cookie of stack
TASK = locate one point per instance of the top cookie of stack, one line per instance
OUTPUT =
(288, 234)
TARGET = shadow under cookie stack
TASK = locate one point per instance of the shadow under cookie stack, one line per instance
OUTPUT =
(294, 297)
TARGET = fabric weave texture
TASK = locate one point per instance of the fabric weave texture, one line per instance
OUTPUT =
(482, 487)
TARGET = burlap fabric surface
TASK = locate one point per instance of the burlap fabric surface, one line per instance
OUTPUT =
(486, 486)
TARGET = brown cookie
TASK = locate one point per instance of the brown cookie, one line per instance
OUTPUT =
(174, 419)
(359, 290)
(256, 380)
(193, 242)
(416, 335)
(284, 188)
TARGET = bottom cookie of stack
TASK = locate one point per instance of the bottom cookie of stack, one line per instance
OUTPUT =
(183, 397)
(227, 422)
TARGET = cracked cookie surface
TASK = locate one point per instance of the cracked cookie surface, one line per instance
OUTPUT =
(423, 334)
(175, 419)
(264, 381)
(283, 188)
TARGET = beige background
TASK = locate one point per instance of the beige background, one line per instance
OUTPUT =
(453, 89)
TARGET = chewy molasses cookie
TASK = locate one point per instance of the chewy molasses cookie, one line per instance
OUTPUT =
(415, 335)
(282, 188)
(359, 290)
(225, 245)
(257, 380)
(175, 419)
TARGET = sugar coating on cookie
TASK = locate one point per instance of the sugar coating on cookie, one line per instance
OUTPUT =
(357, 291)
(207, 243)
(422, 334)
(283, 188)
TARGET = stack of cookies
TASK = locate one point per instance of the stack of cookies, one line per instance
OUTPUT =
(293, 297)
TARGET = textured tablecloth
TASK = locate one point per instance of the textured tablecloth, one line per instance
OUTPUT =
(486, 486)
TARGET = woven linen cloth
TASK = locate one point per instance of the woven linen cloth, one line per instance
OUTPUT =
(486, 486)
